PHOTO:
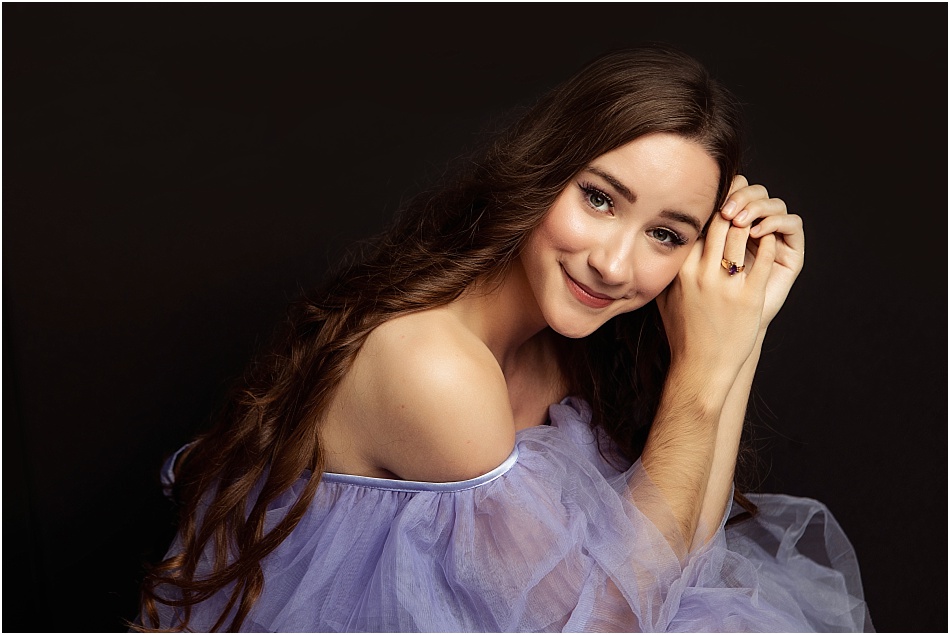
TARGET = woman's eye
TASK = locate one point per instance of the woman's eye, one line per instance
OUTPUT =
(667, 237)
(597, 199)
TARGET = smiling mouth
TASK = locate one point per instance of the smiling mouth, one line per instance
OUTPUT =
(587, 296)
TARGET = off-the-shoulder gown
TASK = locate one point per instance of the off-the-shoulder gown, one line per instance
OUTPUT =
(553, 539)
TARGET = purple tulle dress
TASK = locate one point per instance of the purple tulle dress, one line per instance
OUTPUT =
(554, 539)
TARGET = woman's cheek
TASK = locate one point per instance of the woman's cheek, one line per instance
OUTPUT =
(659, 274)
(567, 229)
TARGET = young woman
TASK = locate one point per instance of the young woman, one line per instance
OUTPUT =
(523, 410)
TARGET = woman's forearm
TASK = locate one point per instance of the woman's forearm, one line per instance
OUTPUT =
(679, 452)
(690, 454)
(728, 436)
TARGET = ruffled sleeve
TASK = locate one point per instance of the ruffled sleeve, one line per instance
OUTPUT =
(551, 541)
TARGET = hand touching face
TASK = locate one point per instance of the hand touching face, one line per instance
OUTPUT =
(729, 289)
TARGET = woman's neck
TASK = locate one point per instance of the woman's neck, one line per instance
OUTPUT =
(504, 315)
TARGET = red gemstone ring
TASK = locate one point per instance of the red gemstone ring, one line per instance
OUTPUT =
(731, 267)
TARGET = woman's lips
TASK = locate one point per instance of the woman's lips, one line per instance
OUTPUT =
(587, 296)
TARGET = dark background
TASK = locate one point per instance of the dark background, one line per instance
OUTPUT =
(175, 174)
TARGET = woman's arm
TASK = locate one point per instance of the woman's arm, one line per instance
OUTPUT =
(755, 204)
(711, 320)
(728, 435)
(715, 323)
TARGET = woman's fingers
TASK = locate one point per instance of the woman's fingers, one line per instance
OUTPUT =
(789, 237)
(740, 198)
(764, 257)
(725, 245)
(715, 241)
(734, 249)
(738, 183)
(748, 203)
(765, 238)
(789, 226)
(762, 208)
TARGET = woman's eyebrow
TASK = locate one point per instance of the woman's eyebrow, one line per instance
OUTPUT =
(617, 185)
(625, 191)
(682, 217)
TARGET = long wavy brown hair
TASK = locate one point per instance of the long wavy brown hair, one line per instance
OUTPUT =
(470, 229)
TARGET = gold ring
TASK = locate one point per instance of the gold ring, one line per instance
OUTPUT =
(731, 267)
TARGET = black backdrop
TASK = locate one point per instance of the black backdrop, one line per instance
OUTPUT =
(174, 174)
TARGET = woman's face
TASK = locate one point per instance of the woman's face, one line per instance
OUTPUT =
(619, 232)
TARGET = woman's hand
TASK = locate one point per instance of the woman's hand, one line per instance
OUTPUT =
(749, 206)
(712, 317)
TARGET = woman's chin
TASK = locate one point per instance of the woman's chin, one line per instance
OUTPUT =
(574, 328)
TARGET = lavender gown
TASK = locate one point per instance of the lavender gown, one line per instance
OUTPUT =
(554, 539)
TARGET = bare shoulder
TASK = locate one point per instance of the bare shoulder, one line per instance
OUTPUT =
(434, 404)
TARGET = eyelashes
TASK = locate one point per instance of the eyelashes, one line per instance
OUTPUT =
(596, 198)
(667, 236)
(601, 202)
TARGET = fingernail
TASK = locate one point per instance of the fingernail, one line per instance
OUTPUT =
(741, 217)
(729, 209)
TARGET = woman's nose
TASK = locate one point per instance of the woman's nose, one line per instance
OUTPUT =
(613, 259)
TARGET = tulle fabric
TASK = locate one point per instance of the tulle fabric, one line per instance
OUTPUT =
(555, 539)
